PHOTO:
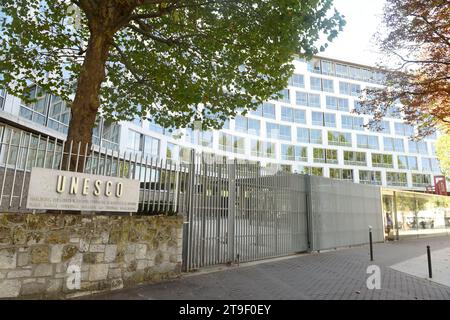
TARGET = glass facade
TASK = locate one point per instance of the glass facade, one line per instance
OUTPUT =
(413, 214)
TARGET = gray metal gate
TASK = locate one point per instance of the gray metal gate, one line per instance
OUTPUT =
(239, 212)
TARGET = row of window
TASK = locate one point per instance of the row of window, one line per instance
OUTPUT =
(343, 70)
(306, 135)
(267, 110)
(365, 176)
(236, 144)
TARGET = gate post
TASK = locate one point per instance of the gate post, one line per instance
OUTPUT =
(231, 208)
(309, 214)
(187, 226)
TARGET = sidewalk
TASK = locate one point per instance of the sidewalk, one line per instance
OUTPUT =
(333, 275)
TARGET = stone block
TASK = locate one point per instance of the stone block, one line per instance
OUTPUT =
(43, 270)
(61, 267)
(57, 237)
(19, 274)
(33, 288)
(131, 249)
(8, 258)
(98, 272)
(56, 253)
(23, 258)
(142, 264)
(141, 251)
(35, 237)
(110, 253)
(40, 254)
(97, 248)
(114, 273)
(9, 288)
(54, 285)
(68, 252)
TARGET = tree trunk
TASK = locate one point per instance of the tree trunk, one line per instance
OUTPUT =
(86, 103)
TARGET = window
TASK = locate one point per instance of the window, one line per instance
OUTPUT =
(393, 144)
(58, 115)
(306, 135)
(294, 153)
(339, 138)
(341, 174)
(418, 147)
(230, 143)
(370, 177)
(355, 158)
(421, 180)
(324, 119)
(407, 162)
(204, 138)
(262, 149)
(139, 143)
(247, 125)
(334, 103)
(2, 98)
(307, 99)
(327, 85)
(366, 141)
(403, 129)
(37, 111)
(315, 171)
(284, 96)
(382, 160)
(297, 80)
(171, 151)
(349, 89)
(396, 179)
(266, 110)
(293, 115)
(327, 68)
(111, 136)
(341, 70)
(354, 123)
(278, 131)
(385, 126)
(325, 155)
(314, 100)
(315, 83)
(431, 164)
(314, 65)
(320, 84)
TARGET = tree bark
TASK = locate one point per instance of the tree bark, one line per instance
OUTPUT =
(87, 103)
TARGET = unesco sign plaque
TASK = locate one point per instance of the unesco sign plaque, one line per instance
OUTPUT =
(67, 190)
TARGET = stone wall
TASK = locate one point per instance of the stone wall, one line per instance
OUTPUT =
(39, 253)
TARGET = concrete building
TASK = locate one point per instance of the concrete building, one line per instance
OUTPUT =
(310, 130)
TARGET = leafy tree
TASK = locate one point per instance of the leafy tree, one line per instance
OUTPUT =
(418, 42)
(177, 61)
(443, 153)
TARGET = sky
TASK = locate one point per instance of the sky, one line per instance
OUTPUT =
(355, 43)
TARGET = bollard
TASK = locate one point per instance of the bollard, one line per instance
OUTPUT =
(430, 273)
(370, 243)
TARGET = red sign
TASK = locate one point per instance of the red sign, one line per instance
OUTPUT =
(440, 186)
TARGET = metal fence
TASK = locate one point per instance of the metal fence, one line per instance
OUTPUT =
(162, 182)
